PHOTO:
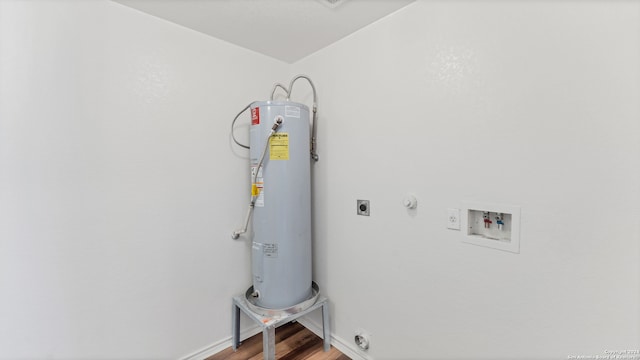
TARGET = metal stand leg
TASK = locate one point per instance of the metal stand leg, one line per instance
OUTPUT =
(269, 343)
(326, 328)
(235, 326)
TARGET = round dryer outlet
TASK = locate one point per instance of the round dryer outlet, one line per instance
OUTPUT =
(362, 339)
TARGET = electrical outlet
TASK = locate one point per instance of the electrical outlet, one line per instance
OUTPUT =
(363, 207)
(453, 219)
(362, 339)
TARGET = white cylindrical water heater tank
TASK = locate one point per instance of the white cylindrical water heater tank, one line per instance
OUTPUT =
(281, 250)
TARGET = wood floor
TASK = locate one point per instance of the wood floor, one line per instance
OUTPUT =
(293, 342)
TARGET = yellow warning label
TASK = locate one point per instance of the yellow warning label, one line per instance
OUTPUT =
(255, 191)
(279, 146)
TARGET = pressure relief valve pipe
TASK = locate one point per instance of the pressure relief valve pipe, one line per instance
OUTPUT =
(254, 193)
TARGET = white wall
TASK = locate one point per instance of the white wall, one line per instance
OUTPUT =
(530, 103)
(118, 184)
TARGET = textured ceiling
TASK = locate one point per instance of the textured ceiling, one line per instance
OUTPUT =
(287, 30)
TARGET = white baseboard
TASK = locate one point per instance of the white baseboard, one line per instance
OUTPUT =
(218, 346)
(345, 347)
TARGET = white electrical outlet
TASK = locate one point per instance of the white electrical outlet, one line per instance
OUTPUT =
(453, 219)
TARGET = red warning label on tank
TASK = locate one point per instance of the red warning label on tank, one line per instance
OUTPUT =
(255, 116)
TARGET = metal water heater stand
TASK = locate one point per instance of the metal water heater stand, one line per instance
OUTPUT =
(269, 322)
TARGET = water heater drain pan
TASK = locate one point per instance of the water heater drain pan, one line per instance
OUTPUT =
(251, 301)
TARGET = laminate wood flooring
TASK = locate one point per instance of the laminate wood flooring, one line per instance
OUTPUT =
(293, 342)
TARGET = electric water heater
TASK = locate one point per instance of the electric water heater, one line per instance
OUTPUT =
(281, 149)
(281, 185)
